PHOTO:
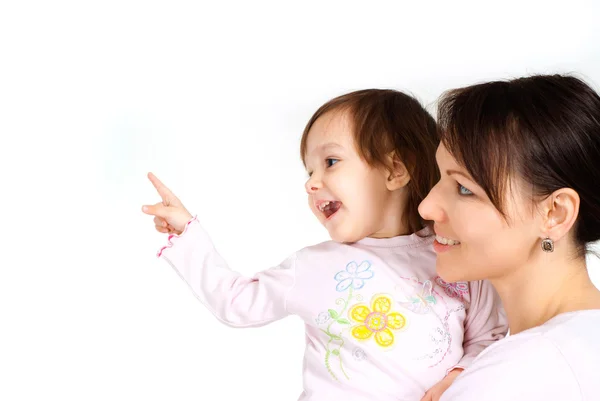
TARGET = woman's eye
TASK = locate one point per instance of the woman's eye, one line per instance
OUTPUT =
(464, 190)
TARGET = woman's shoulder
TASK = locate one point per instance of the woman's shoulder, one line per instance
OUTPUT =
(571, 333)
(555, 361)
(571, 338)
(583, 324)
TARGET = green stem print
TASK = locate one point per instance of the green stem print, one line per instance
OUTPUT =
(336, 341)
(352, 278)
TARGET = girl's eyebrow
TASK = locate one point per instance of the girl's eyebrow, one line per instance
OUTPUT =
(330, 146)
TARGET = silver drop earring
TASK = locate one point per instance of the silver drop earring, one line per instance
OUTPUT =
(547, 245)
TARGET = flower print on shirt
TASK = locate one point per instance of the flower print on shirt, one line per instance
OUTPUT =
(354, 276)
(377, 321)
(359, 354)
(323, 318)
(454, 290)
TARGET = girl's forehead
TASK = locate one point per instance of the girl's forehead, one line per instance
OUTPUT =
(330, 130)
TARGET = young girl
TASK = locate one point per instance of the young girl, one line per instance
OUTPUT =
(380, 324)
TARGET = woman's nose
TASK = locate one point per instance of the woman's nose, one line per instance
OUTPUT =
(431, 208)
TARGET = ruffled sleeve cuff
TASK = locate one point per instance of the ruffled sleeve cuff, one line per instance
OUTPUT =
(173, 237)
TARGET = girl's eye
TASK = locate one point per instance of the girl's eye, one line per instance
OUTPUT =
(330, 162)
(462, 190)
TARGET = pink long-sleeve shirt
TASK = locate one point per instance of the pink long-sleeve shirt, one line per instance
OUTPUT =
(380, 324)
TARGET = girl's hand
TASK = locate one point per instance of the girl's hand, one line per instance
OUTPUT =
(170, 216)
(435, 393)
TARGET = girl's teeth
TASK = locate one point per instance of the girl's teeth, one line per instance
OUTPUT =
(446, 241)
(324, 205)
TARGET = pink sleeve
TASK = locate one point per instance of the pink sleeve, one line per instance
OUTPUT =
(235, 300)
(486, 321)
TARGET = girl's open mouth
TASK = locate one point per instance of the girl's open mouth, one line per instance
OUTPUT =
(328, 208)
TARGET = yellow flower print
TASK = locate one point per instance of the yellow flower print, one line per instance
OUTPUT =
(377, 320)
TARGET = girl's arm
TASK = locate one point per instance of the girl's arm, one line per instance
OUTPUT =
(234, 299)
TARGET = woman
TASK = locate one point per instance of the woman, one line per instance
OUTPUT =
(519, 198)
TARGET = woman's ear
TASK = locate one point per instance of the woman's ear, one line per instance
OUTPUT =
(560, 211)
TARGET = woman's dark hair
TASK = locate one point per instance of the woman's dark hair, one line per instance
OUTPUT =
(543, 129)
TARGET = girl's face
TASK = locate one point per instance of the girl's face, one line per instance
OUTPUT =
(350, 198)
(473, 240)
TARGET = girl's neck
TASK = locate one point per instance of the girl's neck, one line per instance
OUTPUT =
(391, 232)
(394, 223)
(544, 288)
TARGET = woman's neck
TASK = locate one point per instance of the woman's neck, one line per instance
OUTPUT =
(545, 287)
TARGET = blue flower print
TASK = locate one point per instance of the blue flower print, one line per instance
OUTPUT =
(354, 276)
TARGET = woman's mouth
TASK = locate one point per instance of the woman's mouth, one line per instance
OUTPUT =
(446, 241)
(443, 244)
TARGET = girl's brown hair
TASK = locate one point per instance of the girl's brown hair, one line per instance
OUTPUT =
(387, 121)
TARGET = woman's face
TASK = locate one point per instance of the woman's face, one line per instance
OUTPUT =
(473, 240)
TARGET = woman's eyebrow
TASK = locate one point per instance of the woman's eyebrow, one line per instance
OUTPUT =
(452, 172)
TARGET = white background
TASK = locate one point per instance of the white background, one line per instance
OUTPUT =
(212, 97)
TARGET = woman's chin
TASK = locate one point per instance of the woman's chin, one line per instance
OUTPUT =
(446, 273)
